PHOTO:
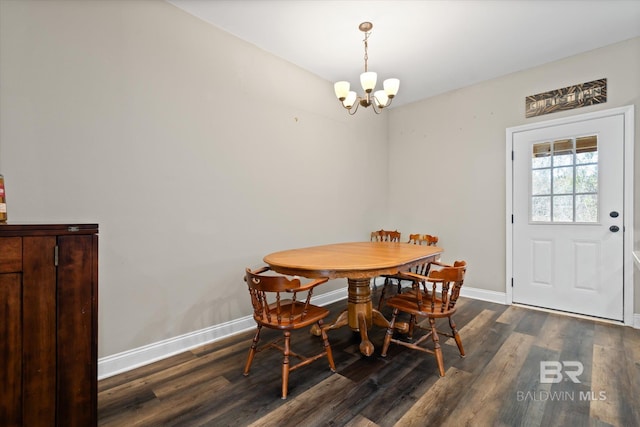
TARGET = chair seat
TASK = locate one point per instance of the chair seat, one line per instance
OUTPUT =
(314, 313)
(408, 303)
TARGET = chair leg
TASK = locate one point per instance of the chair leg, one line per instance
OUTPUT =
(252, 351)
(456, 336)
(389, 334)
(285, 363)
(327, 346)
(386, 283)
(436, 344)
(412, 324)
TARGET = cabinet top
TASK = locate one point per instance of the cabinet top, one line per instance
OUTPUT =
(21, 229)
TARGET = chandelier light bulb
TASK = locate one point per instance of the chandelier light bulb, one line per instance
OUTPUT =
(368, 81)
(391, 87)
(341, 89)
(381, 98)
(350, 99)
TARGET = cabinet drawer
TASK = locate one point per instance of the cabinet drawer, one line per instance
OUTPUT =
(10, 254)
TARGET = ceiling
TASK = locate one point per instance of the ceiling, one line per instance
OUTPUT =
(432, 46)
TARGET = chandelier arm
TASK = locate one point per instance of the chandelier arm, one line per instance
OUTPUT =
(353, 108)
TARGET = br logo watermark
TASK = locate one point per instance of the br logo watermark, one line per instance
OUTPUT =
(552, 372)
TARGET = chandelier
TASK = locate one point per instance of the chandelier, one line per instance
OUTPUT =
(380, 98)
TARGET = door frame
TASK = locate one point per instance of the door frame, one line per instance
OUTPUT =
(627, 113)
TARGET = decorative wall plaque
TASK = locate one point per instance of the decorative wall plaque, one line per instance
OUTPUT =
(568, 98)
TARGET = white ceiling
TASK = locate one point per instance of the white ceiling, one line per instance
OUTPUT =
(432, 46)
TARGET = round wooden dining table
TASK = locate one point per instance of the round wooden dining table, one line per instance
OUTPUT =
(358, 262)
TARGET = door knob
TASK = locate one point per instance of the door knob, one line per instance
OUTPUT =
(613, 214)
(614, 228)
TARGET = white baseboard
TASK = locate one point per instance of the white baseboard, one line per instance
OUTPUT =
(131, 359)
(484, 295)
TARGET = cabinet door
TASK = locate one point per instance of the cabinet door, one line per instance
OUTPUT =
(10, 349)
(77, 289)
(39, 317)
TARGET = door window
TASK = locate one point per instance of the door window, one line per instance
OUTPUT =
(564, 181)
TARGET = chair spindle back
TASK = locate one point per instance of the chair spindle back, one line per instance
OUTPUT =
(450, 280)
(267, 301)
(385, 236)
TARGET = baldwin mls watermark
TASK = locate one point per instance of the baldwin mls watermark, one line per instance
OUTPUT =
(554, 372)
(544, 396)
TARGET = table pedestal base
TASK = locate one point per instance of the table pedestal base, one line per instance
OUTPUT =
(359, 315)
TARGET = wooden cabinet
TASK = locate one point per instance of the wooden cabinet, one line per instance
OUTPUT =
(48, 325)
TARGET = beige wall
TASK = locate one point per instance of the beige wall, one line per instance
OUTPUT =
(447, 155)
(196, 153)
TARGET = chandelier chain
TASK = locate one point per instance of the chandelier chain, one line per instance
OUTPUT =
(366, 51)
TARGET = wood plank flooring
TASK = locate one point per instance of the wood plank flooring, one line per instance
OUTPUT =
(496, 384)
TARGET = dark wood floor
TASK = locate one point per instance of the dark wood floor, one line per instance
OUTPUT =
(497, 384)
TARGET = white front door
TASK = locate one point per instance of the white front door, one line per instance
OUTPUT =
(568, 239)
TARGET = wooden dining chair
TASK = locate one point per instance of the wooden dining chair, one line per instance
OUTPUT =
(276, 306)
(385, 236)
(433, 296)
(423, 269)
